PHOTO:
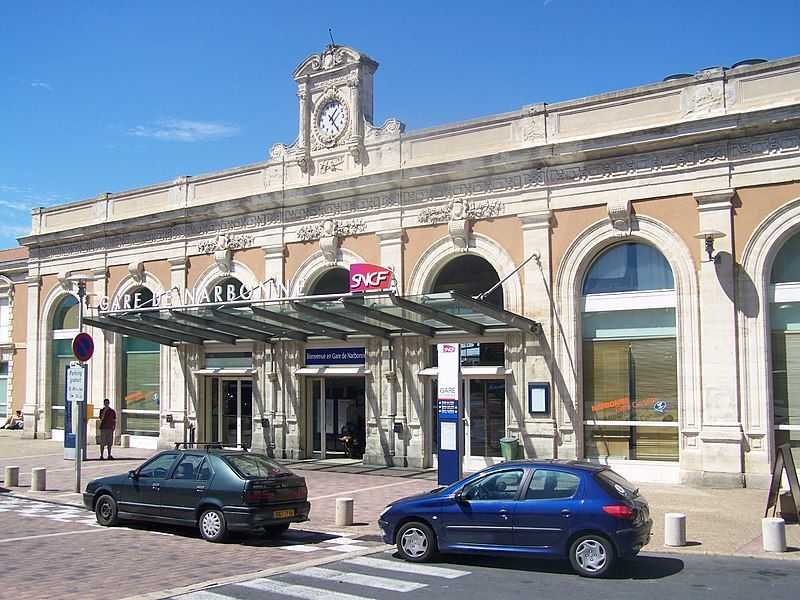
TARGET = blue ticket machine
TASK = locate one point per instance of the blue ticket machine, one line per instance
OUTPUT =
(449, 410)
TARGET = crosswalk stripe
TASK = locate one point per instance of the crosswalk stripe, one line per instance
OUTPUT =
(405, 567)
(297, 591)
(202, 596)
(382, 583)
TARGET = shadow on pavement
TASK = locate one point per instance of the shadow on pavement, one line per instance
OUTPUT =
(637, 568)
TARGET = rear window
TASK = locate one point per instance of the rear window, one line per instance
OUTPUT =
(615, 484)
(255, 465)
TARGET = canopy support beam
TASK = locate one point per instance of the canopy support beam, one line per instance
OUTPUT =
(103, 323)
(437, 315)
(299, 324)
(396, 321)
(253, 324)
(359, 326)
(191, 330)
(239, 332)
(148, 328)
(511, 319)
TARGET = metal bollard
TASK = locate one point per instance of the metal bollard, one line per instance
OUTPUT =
(773, 534)
(344, 512)
(12, 477)
(674, 529)
(125, 440)
(38, 479)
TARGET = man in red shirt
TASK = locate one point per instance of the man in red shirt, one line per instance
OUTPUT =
(108, 424)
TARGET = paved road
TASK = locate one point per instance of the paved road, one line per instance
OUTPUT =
(654, 577)
(60, 551)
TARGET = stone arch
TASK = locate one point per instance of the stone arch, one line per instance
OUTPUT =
(149, 281)
(442, 251)
(214, 274)
(752, 298)
(568, 290)
(315, 265)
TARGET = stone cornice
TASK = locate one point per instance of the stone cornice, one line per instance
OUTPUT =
(477, 184)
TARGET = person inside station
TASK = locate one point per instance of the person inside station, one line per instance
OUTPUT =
(14, 421)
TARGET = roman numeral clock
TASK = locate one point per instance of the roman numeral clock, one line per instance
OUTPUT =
(335, 93)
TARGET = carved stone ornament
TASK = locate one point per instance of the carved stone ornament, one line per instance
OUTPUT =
(619, 214)
(223, 260)
(330, 165)
(332, 57)
(390, 127)
(461, 209)
(136, 270)
(329, 234)
(223, 241)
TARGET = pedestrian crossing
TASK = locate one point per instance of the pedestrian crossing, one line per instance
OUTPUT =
(357, 578)
(42, 510)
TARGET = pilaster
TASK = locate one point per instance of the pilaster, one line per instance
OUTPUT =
(391, 242)
(721, 435)
(33, 409)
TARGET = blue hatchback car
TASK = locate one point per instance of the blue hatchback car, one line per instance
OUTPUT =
(551, 508)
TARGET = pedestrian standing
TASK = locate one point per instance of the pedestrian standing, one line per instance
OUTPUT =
(108, 424)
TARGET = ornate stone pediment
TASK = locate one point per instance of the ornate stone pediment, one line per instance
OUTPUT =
(331, 59)
(458, 215)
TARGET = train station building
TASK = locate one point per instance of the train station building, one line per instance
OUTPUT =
(621, 273)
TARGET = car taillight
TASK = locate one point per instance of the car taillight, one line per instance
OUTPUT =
(259, 495)
(621, 511)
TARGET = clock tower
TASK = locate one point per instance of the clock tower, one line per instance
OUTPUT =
(335, 93)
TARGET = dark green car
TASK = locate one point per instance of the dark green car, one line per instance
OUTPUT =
(214, 489)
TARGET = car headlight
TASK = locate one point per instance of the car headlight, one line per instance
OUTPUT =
(385, 510)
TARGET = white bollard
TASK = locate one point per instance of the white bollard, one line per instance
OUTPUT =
(674, 529)
(12, 477)
(344, 512)
(125, 440)
(773, 534)
(38, 479)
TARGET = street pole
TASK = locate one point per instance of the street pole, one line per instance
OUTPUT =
(81, 406)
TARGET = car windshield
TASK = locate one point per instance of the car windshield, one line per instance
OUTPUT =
(614, 483)
(256, 465)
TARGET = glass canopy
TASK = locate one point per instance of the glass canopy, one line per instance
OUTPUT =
(321, 317)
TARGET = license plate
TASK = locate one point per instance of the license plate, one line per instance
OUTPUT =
(280, 514)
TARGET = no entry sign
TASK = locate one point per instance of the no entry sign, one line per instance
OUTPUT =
(83, 347)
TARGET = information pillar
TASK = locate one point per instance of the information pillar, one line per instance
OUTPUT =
(450, 412)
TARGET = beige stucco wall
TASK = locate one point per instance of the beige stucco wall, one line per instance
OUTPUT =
(160, 270)
(366, 246)
(20, 328)
(197, 265)
(419, 239)
(753, 206)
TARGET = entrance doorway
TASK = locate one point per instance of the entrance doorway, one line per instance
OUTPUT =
(230, 418)
(484, 420)
(338, 422)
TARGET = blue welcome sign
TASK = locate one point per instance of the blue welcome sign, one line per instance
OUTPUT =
(335, 356)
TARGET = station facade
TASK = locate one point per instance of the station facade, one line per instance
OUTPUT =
(621, 272)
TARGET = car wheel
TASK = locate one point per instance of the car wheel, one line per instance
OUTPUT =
(592, 556)
(416, 542)
(212, 525)
(106, 511)
(274, 530)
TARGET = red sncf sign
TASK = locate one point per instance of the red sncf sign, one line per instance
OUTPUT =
(365, 277)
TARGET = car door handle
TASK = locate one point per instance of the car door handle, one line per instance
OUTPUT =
(200, 488)
(566, 512)
(503, 512)
(156, 486)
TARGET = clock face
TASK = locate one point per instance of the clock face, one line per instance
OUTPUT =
(332, 118)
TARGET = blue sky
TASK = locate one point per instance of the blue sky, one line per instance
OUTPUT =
(106, 96)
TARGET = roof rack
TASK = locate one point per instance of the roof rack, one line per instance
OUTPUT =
(209, 446)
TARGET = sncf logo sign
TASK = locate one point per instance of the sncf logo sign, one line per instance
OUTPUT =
(369, 278)
(448, 348)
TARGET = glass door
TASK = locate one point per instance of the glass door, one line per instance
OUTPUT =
(232, 411)
(484, 421)
(317, 400)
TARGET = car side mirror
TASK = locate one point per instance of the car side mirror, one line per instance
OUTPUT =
(459, 497)
(133, 474)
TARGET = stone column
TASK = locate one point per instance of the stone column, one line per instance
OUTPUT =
(721, 434)
(180, 393)
(98, 364)
(269, 372)
(33, 410)
(543, 436)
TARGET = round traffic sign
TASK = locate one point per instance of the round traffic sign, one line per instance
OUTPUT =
(83, 347)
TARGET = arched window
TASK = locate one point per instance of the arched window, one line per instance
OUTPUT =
(630, 364)
(141, 374)
(65, 326)
(785, 343)
(332, 281)
(226, 290)
(469, 275)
